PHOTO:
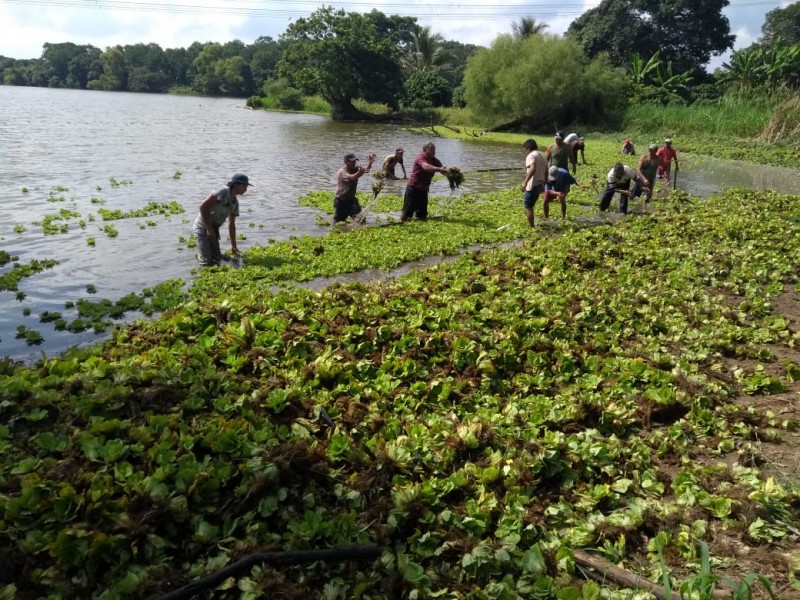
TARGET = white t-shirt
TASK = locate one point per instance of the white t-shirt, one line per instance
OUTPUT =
(627, 175)
(572, 137)
(537, 159)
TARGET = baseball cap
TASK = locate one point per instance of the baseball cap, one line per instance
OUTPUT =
(626, 141)
(667, 141)
(553, 173)
(653, 147)
(559, 136)
(349, 156)
(240, 178)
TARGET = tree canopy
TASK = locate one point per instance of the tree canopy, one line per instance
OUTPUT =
(782, 24)
(343, 56)
(539, 81)
(686, 33)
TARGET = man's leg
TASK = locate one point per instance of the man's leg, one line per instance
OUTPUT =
(563, 200)
(546, 203)
(339, 210)
(408, 205)
(203, 247)
(422, 206)
(529, 201)
(605, 199)
(623, 196)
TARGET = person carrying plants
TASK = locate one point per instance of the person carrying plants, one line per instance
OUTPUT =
(559, 154)
(535, 177)
(391, 161)
(415, 200)
(647, 169)
(214, 210)
(345, 202)
(667, 154)
(618, 180)
(557, 186)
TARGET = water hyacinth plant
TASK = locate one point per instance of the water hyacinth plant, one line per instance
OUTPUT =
(482, 421)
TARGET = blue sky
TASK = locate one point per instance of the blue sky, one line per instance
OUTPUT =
(25, 25)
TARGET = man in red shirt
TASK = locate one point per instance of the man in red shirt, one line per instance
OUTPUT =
(667, 154)
(426, 165)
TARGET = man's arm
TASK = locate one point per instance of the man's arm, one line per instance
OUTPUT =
(426, 166)
(205, 212)
(232, 234)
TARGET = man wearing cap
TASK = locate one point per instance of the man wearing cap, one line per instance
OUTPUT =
(391, 161)
(667, 154)
(647, 169)
(558, 185)
(535, 177)
(618, 180)
(214, 210)
(345, 202)
(559, 154)
(415, 199)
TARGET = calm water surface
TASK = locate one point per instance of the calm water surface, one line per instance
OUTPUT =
(177, 148)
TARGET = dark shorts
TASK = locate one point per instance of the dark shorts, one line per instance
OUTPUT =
(343, 208)
(415, 201)
(530, 198)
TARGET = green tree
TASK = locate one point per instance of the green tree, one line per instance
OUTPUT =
(527, 26)
(219, 75)
(84, 67)
(539, 82)
(343, 56)
(687, 33)
(67, 64)
(427, 52)
(115, 71)
(265, 55)
(425, 89)
(782, 24)
(142, 79)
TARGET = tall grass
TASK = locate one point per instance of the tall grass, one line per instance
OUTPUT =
(729, 116)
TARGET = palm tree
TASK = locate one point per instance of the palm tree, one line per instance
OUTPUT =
(427, 52)
(526, 27)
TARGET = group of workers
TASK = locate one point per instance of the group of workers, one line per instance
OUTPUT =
(547, 175)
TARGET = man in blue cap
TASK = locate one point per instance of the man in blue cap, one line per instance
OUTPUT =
(214, 210)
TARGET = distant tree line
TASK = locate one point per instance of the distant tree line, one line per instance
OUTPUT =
(618, 52)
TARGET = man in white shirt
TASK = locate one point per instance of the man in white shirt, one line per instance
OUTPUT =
(618, 180)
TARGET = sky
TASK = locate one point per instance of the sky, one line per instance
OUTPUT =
(25, 25)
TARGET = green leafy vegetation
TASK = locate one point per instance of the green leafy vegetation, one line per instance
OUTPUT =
(19, 271)
(481, 420)
(151, 208)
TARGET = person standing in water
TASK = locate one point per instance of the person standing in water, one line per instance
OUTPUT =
(218, 207)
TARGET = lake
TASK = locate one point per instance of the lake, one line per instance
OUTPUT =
(83, 150)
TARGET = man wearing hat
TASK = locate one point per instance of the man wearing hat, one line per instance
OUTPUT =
(557, 186)
(345, 202)
(214, 210)
(667, 154)
(646, 169)
(391, 161)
